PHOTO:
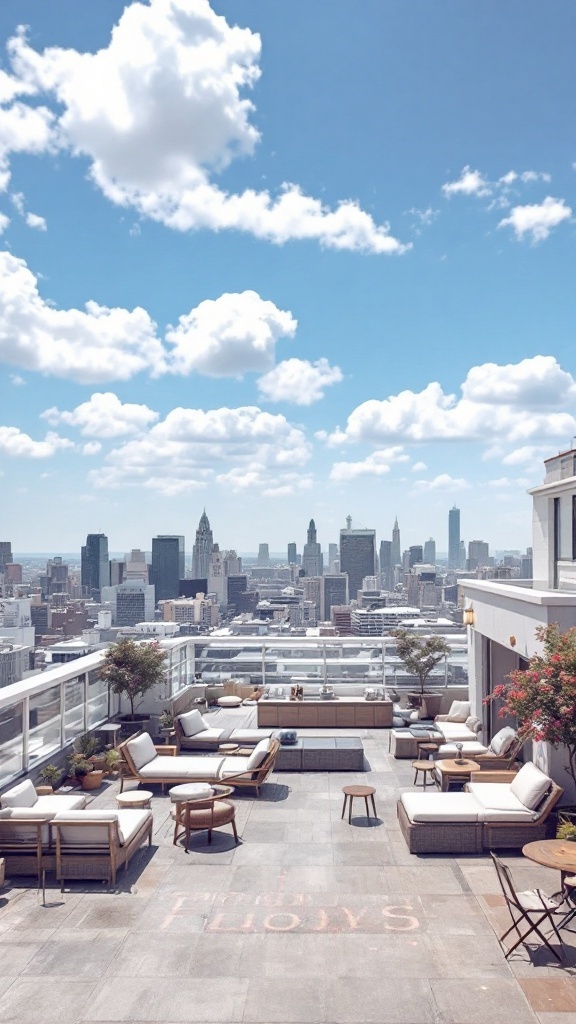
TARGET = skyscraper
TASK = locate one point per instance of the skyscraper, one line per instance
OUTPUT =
(396, 549)
(386, 565)
(454, 538)
(478, 554)
(292, 553)
(430, 552)
(167, 565)
(334, 591)
(263, 554)
(202, 549)
(416, 554)
(95, 567)
(357, 556)
(312, 562)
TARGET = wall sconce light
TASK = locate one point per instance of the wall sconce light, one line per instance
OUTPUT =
(512, 641)
(469, 617)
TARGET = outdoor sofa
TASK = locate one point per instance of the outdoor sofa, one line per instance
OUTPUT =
(487, 816)
(161, 765)
(193, 733)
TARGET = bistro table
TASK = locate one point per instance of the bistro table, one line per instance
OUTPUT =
(559, 854)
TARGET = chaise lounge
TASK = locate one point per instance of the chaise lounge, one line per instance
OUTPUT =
(193, 733)
(149, 764)
(488, 816)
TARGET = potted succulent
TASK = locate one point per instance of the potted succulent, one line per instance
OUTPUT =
(419, 655)
(566, 829)
(49, 778)
(84, 772)
(113, 759)
(91, 750)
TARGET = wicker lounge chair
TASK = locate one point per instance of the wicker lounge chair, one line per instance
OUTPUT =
(149, 764)
(488, 816)
(94, 844)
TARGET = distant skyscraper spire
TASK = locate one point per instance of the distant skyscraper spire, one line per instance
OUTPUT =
(202, 549)
(454, 538)
(312, 561)
(396, 556)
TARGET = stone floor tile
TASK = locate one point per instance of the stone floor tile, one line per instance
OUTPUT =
(58, 1000)
(396, 1000)
(277, 1000)
(377, 854)
(82, 957)
(15, 956)
(550, 995)
(487, 1001)
(157, 999)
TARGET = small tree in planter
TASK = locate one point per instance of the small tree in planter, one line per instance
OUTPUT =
(543, 696)
(419, 655)
(132, 669)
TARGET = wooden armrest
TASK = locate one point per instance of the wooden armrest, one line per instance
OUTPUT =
(166, 750)
(493, 776)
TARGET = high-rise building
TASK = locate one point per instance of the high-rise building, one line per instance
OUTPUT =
(312, 561)
(334, 591)
(202, 549)
(430, 552)
(333, 559)
(478, 554)
(396, 556)
(5, 553)
(130, 602)
(263, 555)
(357, 556)
(416, 555)
(167, 565)
(292, 554)
(454, 538)
(136, 566)
(386, 566)
(312, 595)
(95, 567)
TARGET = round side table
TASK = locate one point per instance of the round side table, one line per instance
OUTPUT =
(426, 767)
(360, 791)
(135, 798)
(228, 748)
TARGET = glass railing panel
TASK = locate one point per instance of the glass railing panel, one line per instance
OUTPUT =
(11, 742)
(44, 724)
(73, 708)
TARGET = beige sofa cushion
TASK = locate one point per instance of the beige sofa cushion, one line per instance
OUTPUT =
(455, 732)
(96, 832)
(502, 741)
(207, 738)
(192, 723)
(469, 748)
(55, 803)
(258, 755)
(498, 803)
(530, 785)
(167, 768)
(22, 795)
(232, 766)
(439, 807)
(473, 723)
(142, 750)
(249, 735)
(21, 831)
(459, 710)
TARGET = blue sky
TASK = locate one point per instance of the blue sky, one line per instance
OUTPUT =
(283, 260)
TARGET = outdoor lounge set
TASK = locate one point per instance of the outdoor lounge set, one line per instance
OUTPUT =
(193, 733)
(57, 833)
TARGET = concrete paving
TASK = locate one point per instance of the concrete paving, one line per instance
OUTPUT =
(308, 920)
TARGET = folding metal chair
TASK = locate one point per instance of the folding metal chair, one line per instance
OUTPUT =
(533, 906)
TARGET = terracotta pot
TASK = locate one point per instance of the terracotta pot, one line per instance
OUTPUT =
(44, 790)
(93, 780)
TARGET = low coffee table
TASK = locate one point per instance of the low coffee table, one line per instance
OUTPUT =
(135, 799)
(450, 770)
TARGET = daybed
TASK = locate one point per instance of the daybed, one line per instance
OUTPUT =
(450, 730)
(25, 838)
(487, 816)
(94, 844)
(24, 795)
(149, 764)
(193, 733)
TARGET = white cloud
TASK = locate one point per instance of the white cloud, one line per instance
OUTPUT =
(19, 445)
(23, 129)
(91, 448)
(229, 336)
(418, 467)
(299, 381)
(377, 464)
(99, 344)
(193, 447)
(537, 220)
(470, 183)
(530, 176)
(521, 407)
(527, 454)
(34, 220)
(17, 381)
(443, 482)
(4, 222)
(160, 110)
(104, 415)
(424, 217)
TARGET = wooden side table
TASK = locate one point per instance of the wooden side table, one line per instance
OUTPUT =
(450, 770)
(361, 791)
(135, 799)
(426, 767)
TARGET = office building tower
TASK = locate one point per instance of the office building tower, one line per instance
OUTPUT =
(478, 554)
(454, 538)
(292, 554)
(189, 588)
(136, 566)
(416, 555)
(202, 549)
(95, 567)
(56, 576)
(357, 556)
(167, 564)
(5, 553)
(430, 552)
(406, 560)
(117, 571)
(386, 567)
(181, 551)
(312, 597)
(312, 561)
(333, 559)
(462, 556)
(396, 557)
(334, 592)
(237, 586)
(263, 555)
(130, 602)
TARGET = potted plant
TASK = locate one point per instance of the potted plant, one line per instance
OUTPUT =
(419, 655)
(131, 669)
(566, 829)
(84, 772)
(166, 720)
(91, 750)
(112, 759)
(49, 778)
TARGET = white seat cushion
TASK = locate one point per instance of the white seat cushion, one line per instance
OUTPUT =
(258, 755)
(26, 833)
(142, 750)
(502, 741)
(232, 766)
(208, 737)
(22, 795)
(192, 723)
(459, 710)
(97, 834)
(56, 803)
(455, 732)
(530, 785)
(191, 791)
(498, 803)
(166, 768)
(469, 748)
(249, 735)
(440, 806)
(229, 702)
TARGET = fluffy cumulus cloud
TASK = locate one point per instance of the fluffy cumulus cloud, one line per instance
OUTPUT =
(229, 336)
(442, 482)
(537, 220)
(161, 110)
(520, 407)
(527, 454)
(104, 415)
(192, 447)
(92, 345)
(299, 381)
(470, 183)
(377, 464)
(15, 443)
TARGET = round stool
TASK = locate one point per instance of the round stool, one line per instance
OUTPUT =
(228, 748)
(425, 767)
(426, 748)
(135, 798)
(229, 702)
(360, 791)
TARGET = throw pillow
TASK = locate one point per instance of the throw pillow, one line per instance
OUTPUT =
(258, 755)
(502, 741)
(22, 795)
(192, 723)
(141, 750)
(473, 723)
(530, 785)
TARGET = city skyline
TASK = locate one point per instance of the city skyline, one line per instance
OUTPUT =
(280, 295)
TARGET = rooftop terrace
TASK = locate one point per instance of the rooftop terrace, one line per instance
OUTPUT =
(309, 919)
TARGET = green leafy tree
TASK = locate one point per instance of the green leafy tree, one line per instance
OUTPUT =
(543, 696)
(420, 654)
(131, 669)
